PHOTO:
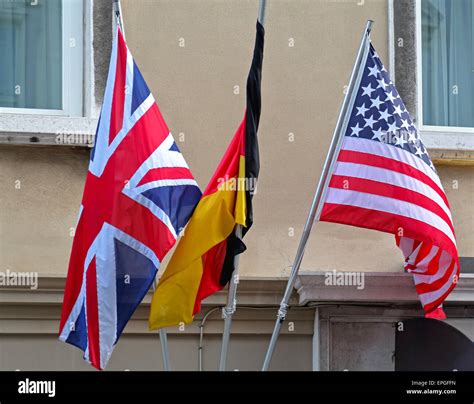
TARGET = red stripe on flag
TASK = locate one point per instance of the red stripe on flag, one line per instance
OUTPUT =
(423, 252)
(212, 262)
(430, 307)
(373, 160)
(434, 264)
(116, 117)
(437, 314)
(166, 173)
(92, 315)
(438, 284)
(416, 243)
(388, 223)
(390, 191)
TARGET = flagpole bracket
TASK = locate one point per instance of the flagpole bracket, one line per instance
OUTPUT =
(282, 312)
(228, 311)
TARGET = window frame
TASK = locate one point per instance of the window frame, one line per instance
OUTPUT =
(447, 137)
(72, 66)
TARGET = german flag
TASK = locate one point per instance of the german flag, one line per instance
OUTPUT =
(203, 261)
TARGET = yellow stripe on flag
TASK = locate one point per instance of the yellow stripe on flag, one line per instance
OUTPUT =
(240, 204)
(212, 222)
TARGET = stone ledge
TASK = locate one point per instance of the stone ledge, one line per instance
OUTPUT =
(452, 157)
(379, 287)
(250, 292)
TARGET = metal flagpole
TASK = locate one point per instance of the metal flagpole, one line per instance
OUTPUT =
(261, 11)
(117, 9)
(229, 310)
(315, 206)
(165, 353)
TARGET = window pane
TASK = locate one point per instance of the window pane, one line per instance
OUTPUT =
(448, 68)
(31, 49)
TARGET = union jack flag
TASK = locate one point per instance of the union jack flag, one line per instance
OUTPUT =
(384, 179)
(139, 193)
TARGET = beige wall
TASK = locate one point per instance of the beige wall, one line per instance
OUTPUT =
(41, 190)
(302, 92)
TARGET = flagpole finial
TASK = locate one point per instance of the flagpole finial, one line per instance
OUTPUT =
(117, 9)
(369, 26)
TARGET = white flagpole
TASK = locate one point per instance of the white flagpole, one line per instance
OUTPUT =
(229, 310)
(117, 10)
(315, 206)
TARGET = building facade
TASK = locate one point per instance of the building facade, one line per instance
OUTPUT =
(195, 57)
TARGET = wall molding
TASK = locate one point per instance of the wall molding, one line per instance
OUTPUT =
(379, 287)
(386, 297)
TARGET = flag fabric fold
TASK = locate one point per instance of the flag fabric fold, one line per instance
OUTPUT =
(384, 179)
(139, 194)
(203, 261)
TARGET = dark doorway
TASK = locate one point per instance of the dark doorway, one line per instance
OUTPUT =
(424, 344)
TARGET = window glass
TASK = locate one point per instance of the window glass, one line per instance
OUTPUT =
(447, 62)
(31, 49)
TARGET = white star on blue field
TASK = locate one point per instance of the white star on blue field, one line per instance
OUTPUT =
(379, 113)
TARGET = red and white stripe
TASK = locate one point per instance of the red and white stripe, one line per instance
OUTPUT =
(378, 186)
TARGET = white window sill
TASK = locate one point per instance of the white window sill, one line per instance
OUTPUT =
(449, 148)
(47, 130)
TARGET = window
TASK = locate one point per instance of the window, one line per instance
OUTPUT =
(446, 51)
(41, 68)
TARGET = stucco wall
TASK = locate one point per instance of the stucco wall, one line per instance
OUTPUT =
(194, 87)
(41, 190)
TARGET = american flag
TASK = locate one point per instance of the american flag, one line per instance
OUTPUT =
(384, 179)
(139, 194)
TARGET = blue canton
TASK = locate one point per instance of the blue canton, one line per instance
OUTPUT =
(379, 113)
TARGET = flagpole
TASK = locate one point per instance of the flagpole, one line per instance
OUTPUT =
(229, 310)
(117, 10)
(261, 11)
(165, 353)
(315, 206)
